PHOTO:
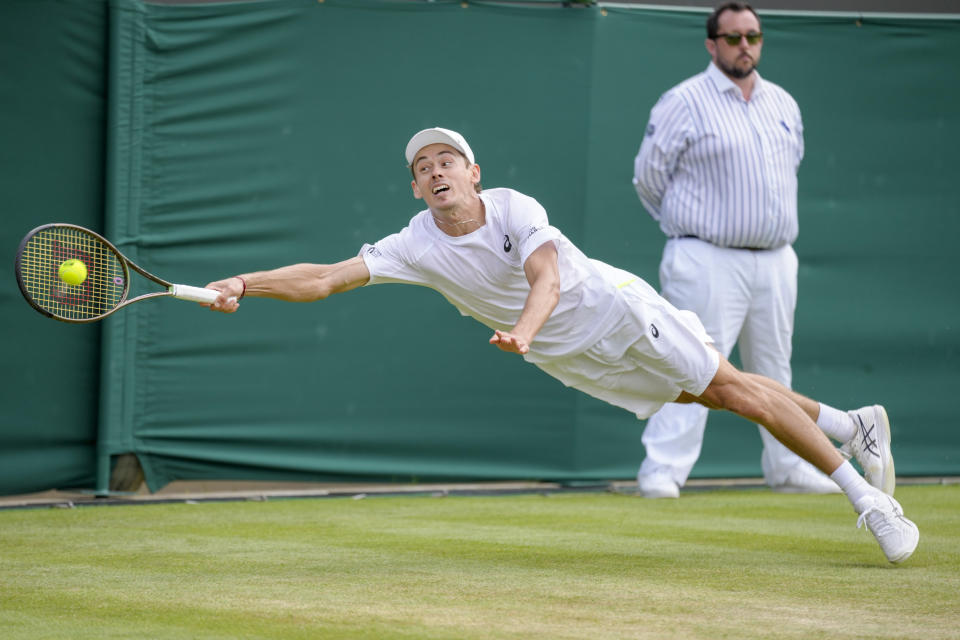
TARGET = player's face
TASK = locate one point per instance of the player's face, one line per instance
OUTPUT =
(443, 178)
(739, 60)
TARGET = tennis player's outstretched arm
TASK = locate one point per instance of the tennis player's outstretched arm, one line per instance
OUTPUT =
(543, 274)
(293, 283)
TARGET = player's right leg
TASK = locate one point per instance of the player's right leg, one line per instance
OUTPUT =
(790, 423)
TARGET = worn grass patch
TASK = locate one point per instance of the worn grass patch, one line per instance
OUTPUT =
(721, 564)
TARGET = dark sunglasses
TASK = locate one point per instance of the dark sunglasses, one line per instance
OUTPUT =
(733, 39)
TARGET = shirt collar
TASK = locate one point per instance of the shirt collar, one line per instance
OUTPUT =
(724, 84)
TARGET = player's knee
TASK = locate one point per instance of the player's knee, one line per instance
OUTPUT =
(744, 399)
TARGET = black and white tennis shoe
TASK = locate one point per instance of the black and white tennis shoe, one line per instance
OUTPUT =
(870, 446)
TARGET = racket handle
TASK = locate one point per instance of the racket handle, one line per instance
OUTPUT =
(194, 294)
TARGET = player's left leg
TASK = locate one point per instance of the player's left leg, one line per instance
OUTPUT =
(791, 422)
(785, 414)
(864, 433)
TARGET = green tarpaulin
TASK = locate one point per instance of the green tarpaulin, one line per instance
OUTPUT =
(207, 140)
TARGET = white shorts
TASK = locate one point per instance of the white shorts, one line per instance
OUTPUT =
(657, 352)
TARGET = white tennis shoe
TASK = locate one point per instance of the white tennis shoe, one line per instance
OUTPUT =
(658, 484)
(870, 445)
(805, 478)
(898, 537)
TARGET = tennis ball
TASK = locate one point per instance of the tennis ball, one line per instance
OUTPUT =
(73, 271)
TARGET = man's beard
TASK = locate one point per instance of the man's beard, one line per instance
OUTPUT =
(734, 72)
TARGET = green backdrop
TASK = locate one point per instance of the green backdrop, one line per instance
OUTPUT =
(212, 139)
(53, 57)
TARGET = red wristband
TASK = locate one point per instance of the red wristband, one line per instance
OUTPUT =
(240, 297)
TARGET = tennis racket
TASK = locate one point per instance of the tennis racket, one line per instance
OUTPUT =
(92, 290)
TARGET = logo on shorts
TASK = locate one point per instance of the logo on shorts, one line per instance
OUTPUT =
(654, 331)
(506, 244)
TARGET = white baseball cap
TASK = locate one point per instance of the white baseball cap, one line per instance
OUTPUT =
(437, 135)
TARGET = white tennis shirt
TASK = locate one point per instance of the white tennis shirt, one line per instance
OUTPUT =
(482, 275)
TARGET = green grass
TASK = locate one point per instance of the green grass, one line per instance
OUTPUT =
(720, 564)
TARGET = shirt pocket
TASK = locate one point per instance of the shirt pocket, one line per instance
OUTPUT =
(783, 144)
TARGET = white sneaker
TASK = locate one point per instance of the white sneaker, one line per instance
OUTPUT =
(658, 484)
(871, 447)
(898, 537)
(805, 478)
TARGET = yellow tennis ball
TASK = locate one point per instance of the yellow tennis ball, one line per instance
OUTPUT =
(73, 271)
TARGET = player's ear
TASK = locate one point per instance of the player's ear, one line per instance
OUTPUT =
(711, 46)
(475, 173)
(416, 190)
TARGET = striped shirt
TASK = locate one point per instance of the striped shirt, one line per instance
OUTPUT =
(715, 166)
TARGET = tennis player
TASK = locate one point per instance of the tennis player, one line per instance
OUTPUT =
(494, 255)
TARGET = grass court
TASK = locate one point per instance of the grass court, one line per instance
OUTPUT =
(743, 563)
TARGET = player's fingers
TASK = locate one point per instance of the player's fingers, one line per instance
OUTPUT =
(519, 345)
(504, 340)
(224, 303)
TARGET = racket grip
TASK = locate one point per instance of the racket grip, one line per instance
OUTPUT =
(194, 294)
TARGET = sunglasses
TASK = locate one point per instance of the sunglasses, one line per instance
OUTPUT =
(733, 39)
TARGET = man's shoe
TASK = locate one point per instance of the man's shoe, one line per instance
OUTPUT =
(898, 537)
(658, 484)
(805, 478)
(871, 447)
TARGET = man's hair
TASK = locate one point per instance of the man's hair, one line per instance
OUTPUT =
(714, 18)
(477, 187)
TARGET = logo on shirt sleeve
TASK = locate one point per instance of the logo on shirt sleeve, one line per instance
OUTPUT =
(650, 129)
(373, 251)
(506, 243)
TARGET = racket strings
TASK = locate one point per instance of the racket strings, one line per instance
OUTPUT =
(101, 291)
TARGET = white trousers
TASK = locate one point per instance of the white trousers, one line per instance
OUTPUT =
(743, 297)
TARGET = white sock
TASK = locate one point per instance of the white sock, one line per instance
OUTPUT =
(851, 482)
(836, 424)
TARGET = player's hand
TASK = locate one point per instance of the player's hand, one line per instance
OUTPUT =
(230, 289)
(509, 342)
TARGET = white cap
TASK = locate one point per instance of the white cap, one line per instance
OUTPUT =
(437, 135)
